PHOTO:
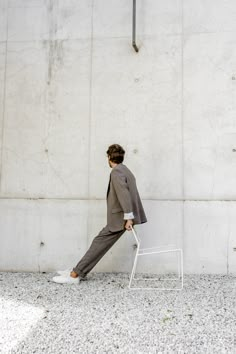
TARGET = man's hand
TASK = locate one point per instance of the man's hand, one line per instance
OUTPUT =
(128, 225)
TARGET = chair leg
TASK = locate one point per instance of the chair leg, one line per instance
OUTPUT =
(179, 265)
(134, 267)
(182, 269)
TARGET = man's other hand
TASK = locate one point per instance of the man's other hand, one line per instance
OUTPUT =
(128, 225)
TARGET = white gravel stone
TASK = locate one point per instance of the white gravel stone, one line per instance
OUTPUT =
(101, 315)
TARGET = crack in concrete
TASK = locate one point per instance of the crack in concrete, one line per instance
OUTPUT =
(90, 117)
(4, 101)
(228, 239)
(214, 167)
(57, 174)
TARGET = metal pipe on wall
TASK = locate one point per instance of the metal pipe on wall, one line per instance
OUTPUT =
(134, 28)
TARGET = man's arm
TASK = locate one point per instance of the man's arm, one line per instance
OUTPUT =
(123, 195)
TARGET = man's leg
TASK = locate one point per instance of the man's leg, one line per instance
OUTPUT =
(100, 245)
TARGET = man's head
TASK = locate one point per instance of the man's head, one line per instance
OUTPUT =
(115, 154)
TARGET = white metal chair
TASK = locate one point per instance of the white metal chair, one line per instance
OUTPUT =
(156, 250)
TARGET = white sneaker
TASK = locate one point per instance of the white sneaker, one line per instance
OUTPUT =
(66, 279)
(64, 272)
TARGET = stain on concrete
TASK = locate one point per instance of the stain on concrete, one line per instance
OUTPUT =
(55, 58)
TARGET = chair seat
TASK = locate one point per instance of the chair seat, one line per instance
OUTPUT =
(157, 249)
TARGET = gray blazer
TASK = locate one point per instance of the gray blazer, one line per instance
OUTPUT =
(123, 197)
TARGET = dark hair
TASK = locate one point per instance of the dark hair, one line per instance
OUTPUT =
(116, 153)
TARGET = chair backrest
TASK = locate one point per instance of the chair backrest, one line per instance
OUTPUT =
(136, 237)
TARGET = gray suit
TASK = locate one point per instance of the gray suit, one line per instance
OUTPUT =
(122, 198)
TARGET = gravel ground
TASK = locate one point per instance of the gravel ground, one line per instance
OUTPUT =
(101, 315)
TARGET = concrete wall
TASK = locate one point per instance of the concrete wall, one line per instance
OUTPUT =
(71, 84)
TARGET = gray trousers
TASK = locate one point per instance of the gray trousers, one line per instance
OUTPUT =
(100, 245)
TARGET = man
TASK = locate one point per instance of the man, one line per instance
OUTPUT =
(124, 209)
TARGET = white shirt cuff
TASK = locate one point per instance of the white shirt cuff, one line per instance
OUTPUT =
(128, 216)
